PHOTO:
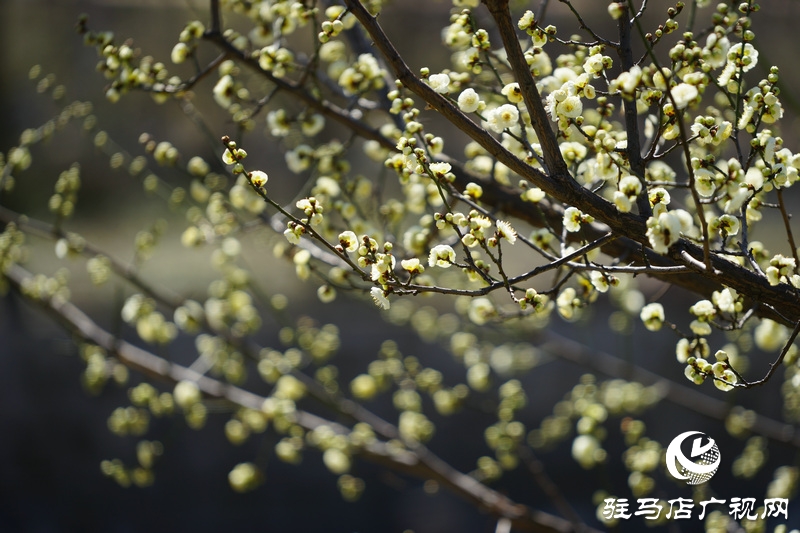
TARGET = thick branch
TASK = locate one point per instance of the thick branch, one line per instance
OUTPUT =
(533, 101)
(632, 227)
(634, 150)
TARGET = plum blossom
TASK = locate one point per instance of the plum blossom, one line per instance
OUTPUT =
(441, 255)
(652, 316)
(439, 83)
(379, 298)
(469, 101)
(505, 231)
(504, 117)
(663, 231)
(683, 94)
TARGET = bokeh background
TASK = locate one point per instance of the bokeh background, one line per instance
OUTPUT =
(53, 434)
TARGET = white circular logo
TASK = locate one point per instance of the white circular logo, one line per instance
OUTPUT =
(702, 463)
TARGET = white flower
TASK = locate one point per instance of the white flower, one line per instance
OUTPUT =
(505, 230)
(469, 101)
(336, 461)
(439, 83)
(663, 231)
(440, 170)
(773, 276)
(652, 316)
(716, 50)
(703, 309)
(300, 158)
(534, 194)
(616, 10)
(746, 59)
(179, 53)
(186, 394)
(379, 298)
(481, 310)
(622, 202)
(332, 51)
(586, 448)
(278, 123)
(292, 236)
(725, 300)
(700, 328)
(505, 116)
(627, 82)
(705, 182)
(412, 265)
(326, 294)
(573, 219)
(659, 195)
(683, 94)
(349, 241)
(473, 190)
(384, 264)
(512, 92)
(227, 157)
(738, 199)
(730, 380)
(312, 124)
(567, 303)
(223, 91)
(682, 350)
(441, 255)
(258, 178)
(747, 116)
(551, 103)
(600, 281)
(570, 107)
(726, 225)
(629, 189)
(630, 186)
(572, 151)
(593, 64)
(769, 335)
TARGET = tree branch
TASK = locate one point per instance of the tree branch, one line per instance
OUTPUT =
(629, 226)
(634, 150)
(685, 396)
(554, 161)
(418, 461)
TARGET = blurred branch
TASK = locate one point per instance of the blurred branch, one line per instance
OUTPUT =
(682, 395)
(418, 461)
(216, 17)
(124, 270)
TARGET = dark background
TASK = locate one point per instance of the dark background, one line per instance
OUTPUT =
(53, 434)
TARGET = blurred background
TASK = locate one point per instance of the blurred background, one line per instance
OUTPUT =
(53, 434)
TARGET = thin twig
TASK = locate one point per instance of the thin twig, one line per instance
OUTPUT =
(787, 224)
(536, 468)
(774, 365)
(586, 27)
(685, 396)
